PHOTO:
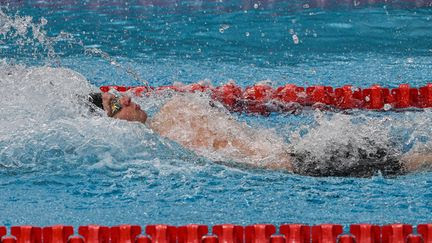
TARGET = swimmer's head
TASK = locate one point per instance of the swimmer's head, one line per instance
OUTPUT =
(119, 107)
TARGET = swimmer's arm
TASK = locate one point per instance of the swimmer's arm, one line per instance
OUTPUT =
(283, 159)
(275, 160)
(417, 161)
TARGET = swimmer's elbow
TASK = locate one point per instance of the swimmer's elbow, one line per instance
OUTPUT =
(417, 162)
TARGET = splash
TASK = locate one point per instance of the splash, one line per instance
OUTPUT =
(129, 70)
(44, 120)
(46, 126)
(21, 35)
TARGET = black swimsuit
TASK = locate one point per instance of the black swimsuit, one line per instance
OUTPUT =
(341, 164)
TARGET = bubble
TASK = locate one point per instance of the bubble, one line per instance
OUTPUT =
(44, 21)
(255, 5)
(295, 39)
(387, 107)
(247, 34)
(223, 27)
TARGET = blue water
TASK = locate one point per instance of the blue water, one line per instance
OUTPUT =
(60, 166)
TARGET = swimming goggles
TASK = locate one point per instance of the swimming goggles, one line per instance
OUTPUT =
(115, 105)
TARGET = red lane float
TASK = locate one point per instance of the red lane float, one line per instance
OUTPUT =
(124, 233)
(256, 98)
(425, 96)
(395, 233)
(229, 233)
(411, 238)
(259, 233)
(76, 239)
(162, 233)
(2, 231)
(326, 233)
(347, 98)
(191, 233)
(143, 239)
(210, 239)
(367, 233)
(263, 99)
(224, 233)
(425, 230)
(296, 232)
(27, 233)
(277, 239)
(8, 239)
(374, 96)
(95, 233)
(346, 239)
(57, 234)
(229, 95)
(290, 93)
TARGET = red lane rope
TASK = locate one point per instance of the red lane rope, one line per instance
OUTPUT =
(228, 233)
(261, 98)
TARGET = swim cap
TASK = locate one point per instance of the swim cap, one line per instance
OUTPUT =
(96, 99)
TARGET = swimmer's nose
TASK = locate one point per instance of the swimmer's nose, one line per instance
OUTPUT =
(125, 101)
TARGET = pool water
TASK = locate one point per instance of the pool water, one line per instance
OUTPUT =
(60, 165)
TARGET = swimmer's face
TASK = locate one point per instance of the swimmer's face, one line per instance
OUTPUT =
(130, 111)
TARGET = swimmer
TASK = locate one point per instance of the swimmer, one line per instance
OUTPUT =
(214, 133)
